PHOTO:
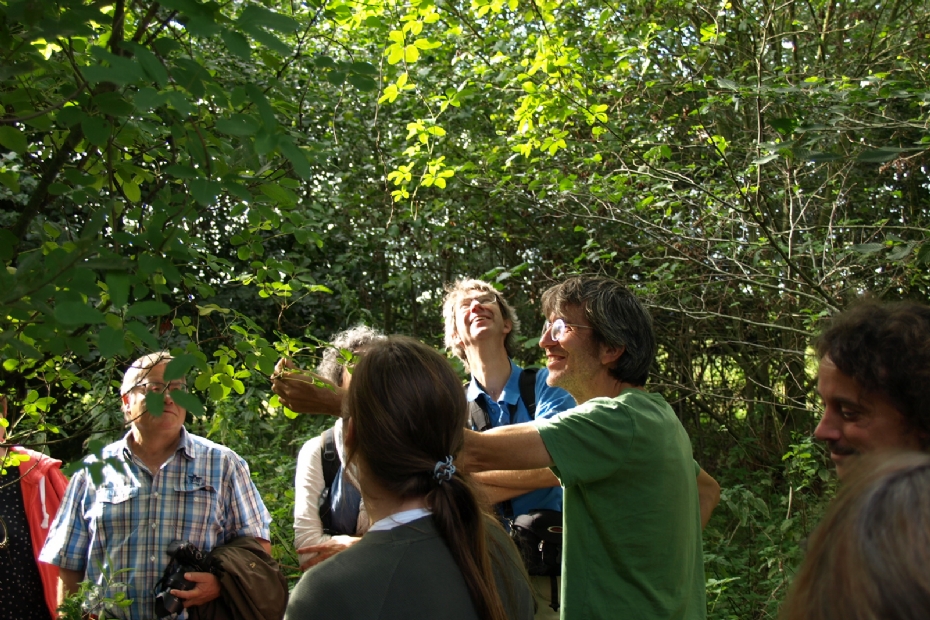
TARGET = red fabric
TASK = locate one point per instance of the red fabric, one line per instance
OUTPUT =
(31, 473)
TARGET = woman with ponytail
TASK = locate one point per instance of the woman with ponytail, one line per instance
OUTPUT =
(431, 552)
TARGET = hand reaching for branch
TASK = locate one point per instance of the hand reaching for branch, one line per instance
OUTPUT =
(299, 390)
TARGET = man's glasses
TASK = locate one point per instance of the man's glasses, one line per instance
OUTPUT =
(485, 300)
(157, 387)
(559, 328)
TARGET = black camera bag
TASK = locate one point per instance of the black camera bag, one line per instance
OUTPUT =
(538, 535)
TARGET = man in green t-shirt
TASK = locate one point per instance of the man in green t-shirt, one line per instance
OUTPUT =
(632, 522)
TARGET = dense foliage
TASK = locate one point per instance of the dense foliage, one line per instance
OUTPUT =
(234, 181)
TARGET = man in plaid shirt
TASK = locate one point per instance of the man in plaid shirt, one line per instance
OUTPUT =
(157, 484)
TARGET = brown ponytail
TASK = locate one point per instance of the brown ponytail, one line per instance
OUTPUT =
(408, 410)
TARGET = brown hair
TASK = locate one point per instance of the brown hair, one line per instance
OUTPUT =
(408, 411)
(869, 556)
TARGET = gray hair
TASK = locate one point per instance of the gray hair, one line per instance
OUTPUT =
(617, 318)
(140, 368)
(355, 339)
(454, 292)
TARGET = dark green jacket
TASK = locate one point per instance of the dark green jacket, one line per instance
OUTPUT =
(404, 573)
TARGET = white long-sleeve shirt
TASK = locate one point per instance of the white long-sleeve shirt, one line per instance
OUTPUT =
(308, 485)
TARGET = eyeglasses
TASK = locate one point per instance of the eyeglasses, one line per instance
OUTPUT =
(486, 299)
(559, 328)
(157, 387)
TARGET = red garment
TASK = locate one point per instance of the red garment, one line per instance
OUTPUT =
(43, 486)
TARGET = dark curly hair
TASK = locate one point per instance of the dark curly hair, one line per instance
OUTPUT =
(886, 348)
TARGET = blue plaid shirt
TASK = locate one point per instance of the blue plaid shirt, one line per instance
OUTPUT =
(202, 494)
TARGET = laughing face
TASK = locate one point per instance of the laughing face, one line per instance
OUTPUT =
(478, 316)
(575, 360)
(858, 422)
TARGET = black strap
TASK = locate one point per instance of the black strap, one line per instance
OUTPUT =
(331, 466)
(528, 391)
(478, 409)
(331, 461)
(478, 415)
(553, 592)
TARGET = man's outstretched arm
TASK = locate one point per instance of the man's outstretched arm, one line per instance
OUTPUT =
(501, 485)
(518, 446)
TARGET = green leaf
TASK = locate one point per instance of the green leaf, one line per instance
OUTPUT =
(362, 82)
(265, 111)
(148, 308)
(110, 341)
(189, 401)
(143, 334)
(96, 130)
(265, 142)
(238, 125)
(278, 194)
(766, 159)
(181, 172)
(868, 248)
(151, 64)
(155, 403)
(205, 191)
(297, 158)
(365, 68)
(879, 155)
(256, 15)
(13, 139)
(923, 255)
(178, 367)
(77, 313)
(118, 286)
(237, 44)
(268, 40)
(132, 191)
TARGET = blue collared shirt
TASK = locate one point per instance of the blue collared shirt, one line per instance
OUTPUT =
(549, 401)
(202, 494)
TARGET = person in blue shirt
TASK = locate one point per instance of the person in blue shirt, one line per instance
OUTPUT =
(481, 329)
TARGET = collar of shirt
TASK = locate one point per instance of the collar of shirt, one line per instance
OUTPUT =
(511, 393)
(399, 518)
(186, 445)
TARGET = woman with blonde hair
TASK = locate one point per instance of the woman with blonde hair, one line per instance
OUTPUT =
(868, 558)
(431, 551)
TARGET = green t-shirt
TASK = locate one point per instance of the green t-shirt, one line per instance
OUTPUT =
(632, 537)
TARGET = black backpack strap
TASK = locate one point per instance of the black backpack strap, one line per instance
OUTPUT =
(478, 415)
(331, 461)
(331, 466)
(528, 390)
